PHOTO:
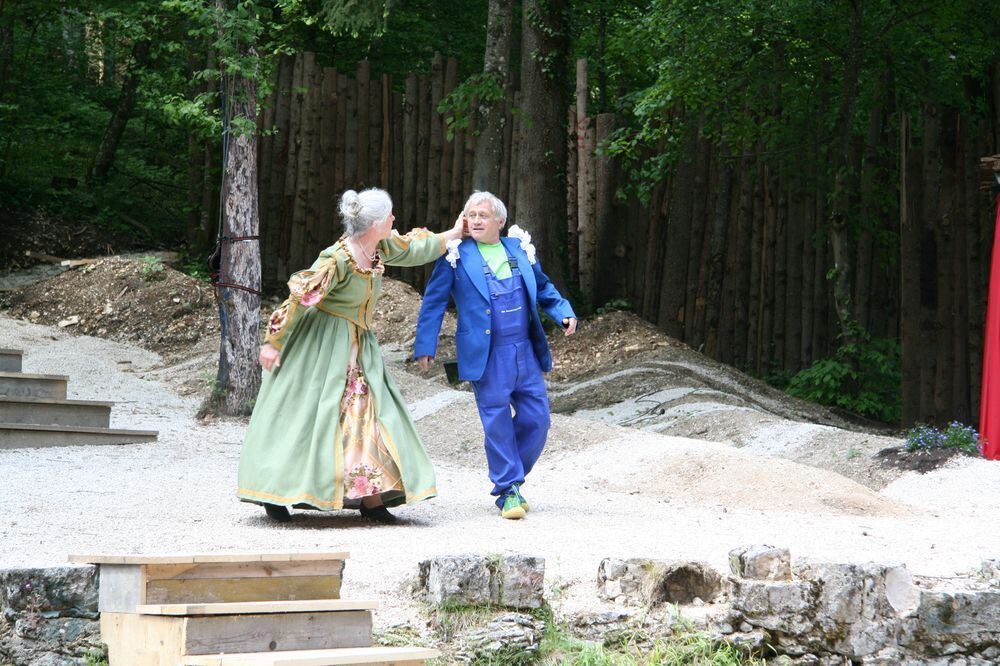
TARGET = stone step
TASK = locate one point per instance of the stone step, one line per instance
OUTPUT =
(22, 435)
(130, 636)
(52, 411)
(23, 385)
(385, 656)
(10, 360)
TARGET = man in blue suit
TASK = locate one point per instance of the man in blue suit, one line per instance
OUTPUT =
(498, 287)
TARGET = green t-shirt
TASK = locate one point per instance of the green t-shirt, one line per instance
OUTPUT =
(496, 258)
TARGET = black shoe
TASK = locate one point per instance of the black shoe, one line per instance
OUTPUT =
(278, 513)
(379, 514)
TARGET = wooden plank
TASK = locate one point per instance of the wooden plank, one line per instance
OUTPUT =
(244, 569)
(139, 640)
(185, 558)
(213, 590)
(396, 656)
(211, 634)
(122, 588)
(255, 607)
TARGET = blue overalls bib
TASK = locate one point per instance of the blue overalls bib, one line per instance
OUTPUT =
(513, 377)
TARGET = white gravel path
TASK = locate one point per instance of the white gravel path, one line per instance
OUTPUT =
(600, 491)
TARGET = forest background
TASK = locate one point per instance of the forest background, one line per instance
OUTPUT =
(793, 187)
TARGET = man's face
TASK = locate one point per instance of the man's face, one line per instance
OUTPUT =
(484, 226)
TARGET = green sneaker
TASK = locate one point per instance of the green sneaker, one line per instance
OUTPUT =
(516, 491)
(512, 509)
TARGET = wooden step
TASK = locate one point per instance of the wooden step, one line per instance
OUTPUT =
(306, 606)
(10, 360)
(131, 637)
(23, 385)
(384, 656)
(23, 435)
(130, 581)
(51, 411)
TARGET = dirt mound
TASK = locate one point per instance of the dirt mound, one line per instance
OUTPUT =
(604, 341)
(38, 232)
(166, 311)
(682, 471)
(145, 303)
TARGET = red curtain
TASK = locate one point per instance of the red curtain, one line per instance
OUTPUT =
(989, 408)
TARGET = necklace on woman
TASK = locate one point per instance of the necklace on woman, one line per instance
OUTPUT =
(370, 257)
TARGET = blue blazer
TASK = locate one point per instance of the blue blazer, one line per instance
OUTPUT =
(466, 283)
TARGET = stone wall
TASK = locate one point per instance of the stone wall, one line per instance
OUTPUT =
(48, 617)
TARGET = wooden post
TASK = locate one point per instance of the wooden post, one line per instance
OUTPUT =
(314, 235)
(327, 193)
(340, 156)
(587, 196)
(411, 113)
(435, 152)
(572, 230)
(445, 213)
(363, 131)
(517, 135)
(423, 145)
(292, 237)
(385, 150)
(374, 121)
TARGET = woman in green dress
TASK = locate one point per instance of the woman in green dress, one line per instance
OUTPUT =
(330, 429)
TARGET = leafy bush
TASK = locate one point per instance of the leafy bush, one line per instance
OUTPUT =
(151, 269)
(923, 437)
(862, 377)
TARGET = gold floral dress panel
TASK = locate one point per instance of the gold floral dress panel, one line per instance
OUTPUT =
(368, 467)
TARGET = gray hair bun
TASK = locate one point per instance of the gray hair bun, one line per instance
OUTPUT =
(350, 205)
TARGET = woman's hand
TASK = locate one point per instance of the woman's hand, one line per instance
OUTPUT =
(569, 326)
(459, 229)
(270, 356)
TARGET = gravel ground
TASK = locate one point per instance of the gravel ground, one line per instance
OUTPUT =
(600, 491)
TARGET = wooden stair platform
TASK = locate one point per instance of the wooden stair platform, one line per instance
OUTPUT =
(236, 608)
(26, 385)
(53, 411)
(28, 435)
(10, 360)
(230, 608)
(384, 656)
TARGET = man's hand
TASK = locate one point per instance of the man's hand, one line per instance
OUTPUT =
(425, 363)
(270, 356)
(569, 326)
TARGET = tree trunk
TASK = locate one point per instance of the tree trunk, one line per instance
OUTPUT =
(541, 204)
(105, 155)
(496, 66)
(717, 254)
(435, 148)
(239, 374)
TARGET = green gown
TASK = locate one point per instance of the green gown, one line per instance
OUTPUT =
(294, 450)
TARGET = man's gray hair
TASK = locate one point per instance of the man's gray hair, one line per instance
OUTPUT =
(499, 210)
(361, 211)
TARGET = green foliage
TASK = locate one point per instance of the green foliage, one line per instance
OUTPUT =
(95, 659)
(614, 305)
(151, 268)
(922, 438)
(863, 377)
(460, 105)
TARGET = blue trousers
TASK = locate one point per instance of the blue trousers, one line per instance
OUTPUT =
(513, 378)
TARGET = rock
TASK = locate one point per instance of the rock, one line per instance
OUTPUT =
(508, 638)
(945, 619)
(49, 616)
(54, 592)
(522, 580)
(761, 563)
(651, 582)
(513, 581)
(459, 580)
